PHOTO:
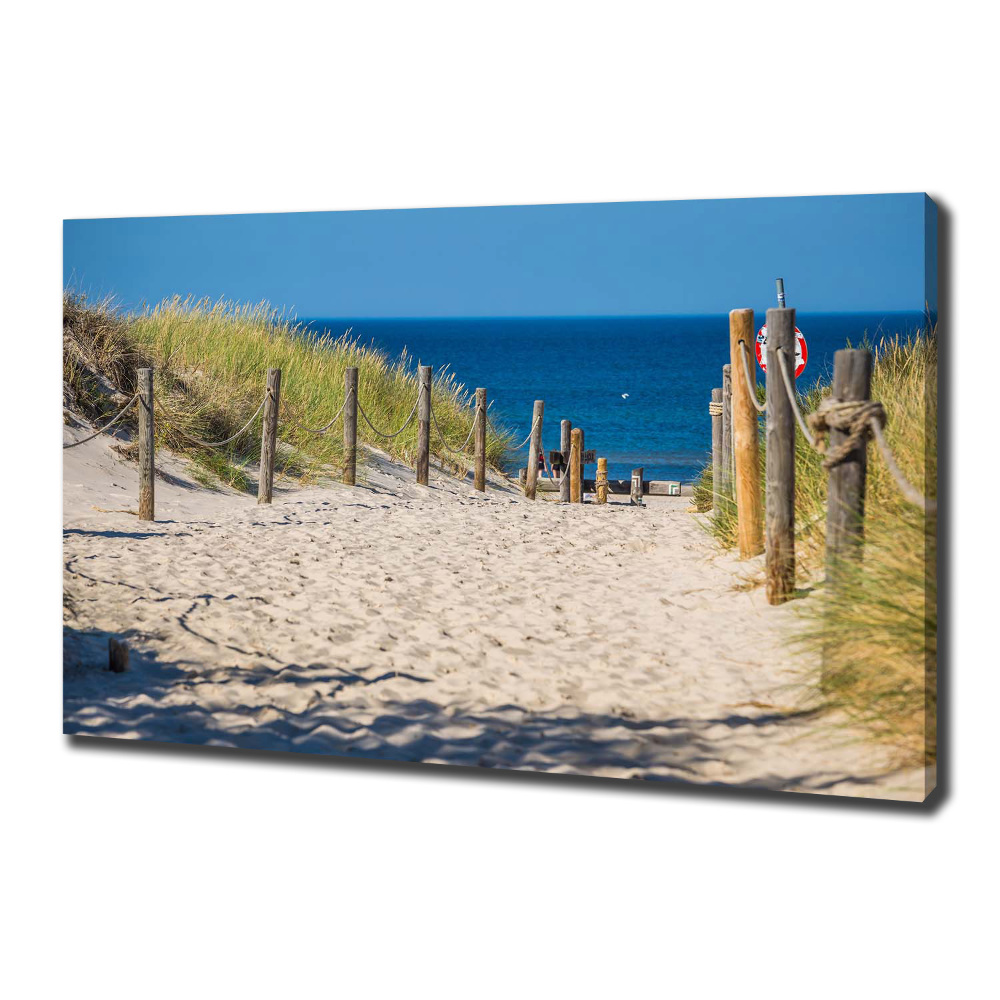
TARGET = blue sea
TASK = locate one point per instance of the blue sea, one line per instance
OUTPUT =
(584, 367)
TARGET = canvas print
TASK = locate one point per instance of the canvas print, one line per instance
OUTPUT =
(636, 490)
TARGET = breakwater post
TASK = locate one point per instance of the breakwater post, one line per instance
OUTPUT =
(350, 425)
(534, 448)
(779, 458)
(565, 446)
(480, 441)
(269, 436)
(601, 482)
(576, 467)
(424, 425)
(147, 472)
(746, 448)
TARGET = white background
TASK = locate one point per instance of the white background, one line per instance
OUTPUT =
(137, 872)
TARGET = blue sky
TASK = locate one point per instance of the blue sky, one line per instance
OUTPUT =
(861, 253)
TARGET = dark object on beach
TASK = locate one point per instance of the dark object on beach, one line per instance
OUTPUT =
(117, 655)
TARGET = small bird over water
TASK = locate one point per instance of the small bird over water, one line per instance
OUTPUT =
(624, 395)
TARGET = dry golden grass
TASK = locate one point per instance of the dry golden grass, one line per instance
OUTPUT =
(211, 362)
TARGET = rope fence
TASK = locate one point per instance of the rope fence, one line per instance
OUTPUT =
(100, 430)
(839, 430)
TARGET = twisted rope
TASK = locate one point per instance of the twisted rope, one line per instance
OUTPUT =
(790, 389)
(406, 424)
(852, 419)
(759, 407)
(448, 447)
(224, 441)
(101, 430)
(321, 430)
(715, 409)
(909, 491)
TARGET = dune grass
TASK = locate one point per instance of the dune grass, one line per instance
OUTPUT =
(211, 361)
(877, 629)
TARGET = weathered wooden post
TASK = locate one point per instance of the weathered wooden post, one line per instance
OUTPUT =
(147, 470)
(479, 436)
(715, 409)
(269, 436)
(534, 447)
(779, 457)
(583, 464)
(746, 448)
(601, 484)
(117, 655)
(845, 509)
(350, 425)
(576, 466)
(727, 428)
(565, 445)
(636, 490)
(424, 425)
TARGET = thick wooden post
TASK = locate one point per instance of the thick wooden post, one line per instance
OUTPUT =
(601, 484)
(637, 488)
(716, 449)
(350, 425)
(269, 436)
(845, 511)
(424, 426)
(565, 445)
(727, 429)
(583, 464)
(534, 447)
(147, 470)
(479, 438)
(576, 466)
(779, 456)
(746, 448)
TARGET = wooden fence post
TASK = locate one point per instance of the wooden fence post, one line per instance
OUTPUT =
(727, 429)
(565, 445)
(269, 436)
(576, 466)
(746, 448)
(479, 435)
(424, 425)
(601, 484)
(716, 449)
(779, 456)
(534, 447)
(583, 464)
(845, 508)
(636, 489)
(147, 470)
(350, 425)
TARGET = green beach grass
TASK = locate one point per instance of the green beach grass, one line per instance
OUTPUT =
(878, 628)
(211, 361)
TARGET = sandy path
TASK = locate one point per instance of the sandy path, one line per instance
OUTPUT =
(438, 625)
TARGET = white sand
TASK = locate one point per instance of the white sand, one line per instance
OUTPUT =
(439, 625)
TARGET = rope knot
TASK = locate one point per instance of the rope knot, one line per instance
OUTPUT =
(715, 409)
(853, 419)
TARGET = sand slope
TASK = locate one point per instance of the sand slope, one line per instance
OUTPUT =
(438, 625)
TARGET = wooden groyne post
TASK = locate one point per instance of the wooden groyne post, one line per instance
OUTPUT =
(746, 448)
(534, 447)
(565, 446)
(852, 376)
(637, 487)
(601, 482)
(269, 436)
(147, 471)
(727, 429)
(424, 426)
(350, 425)
(479, 435)
(576, 466)
(716, 412)
(779, 457)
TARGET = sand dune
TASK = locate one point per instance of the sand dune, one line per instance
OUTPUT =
(438, 625)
